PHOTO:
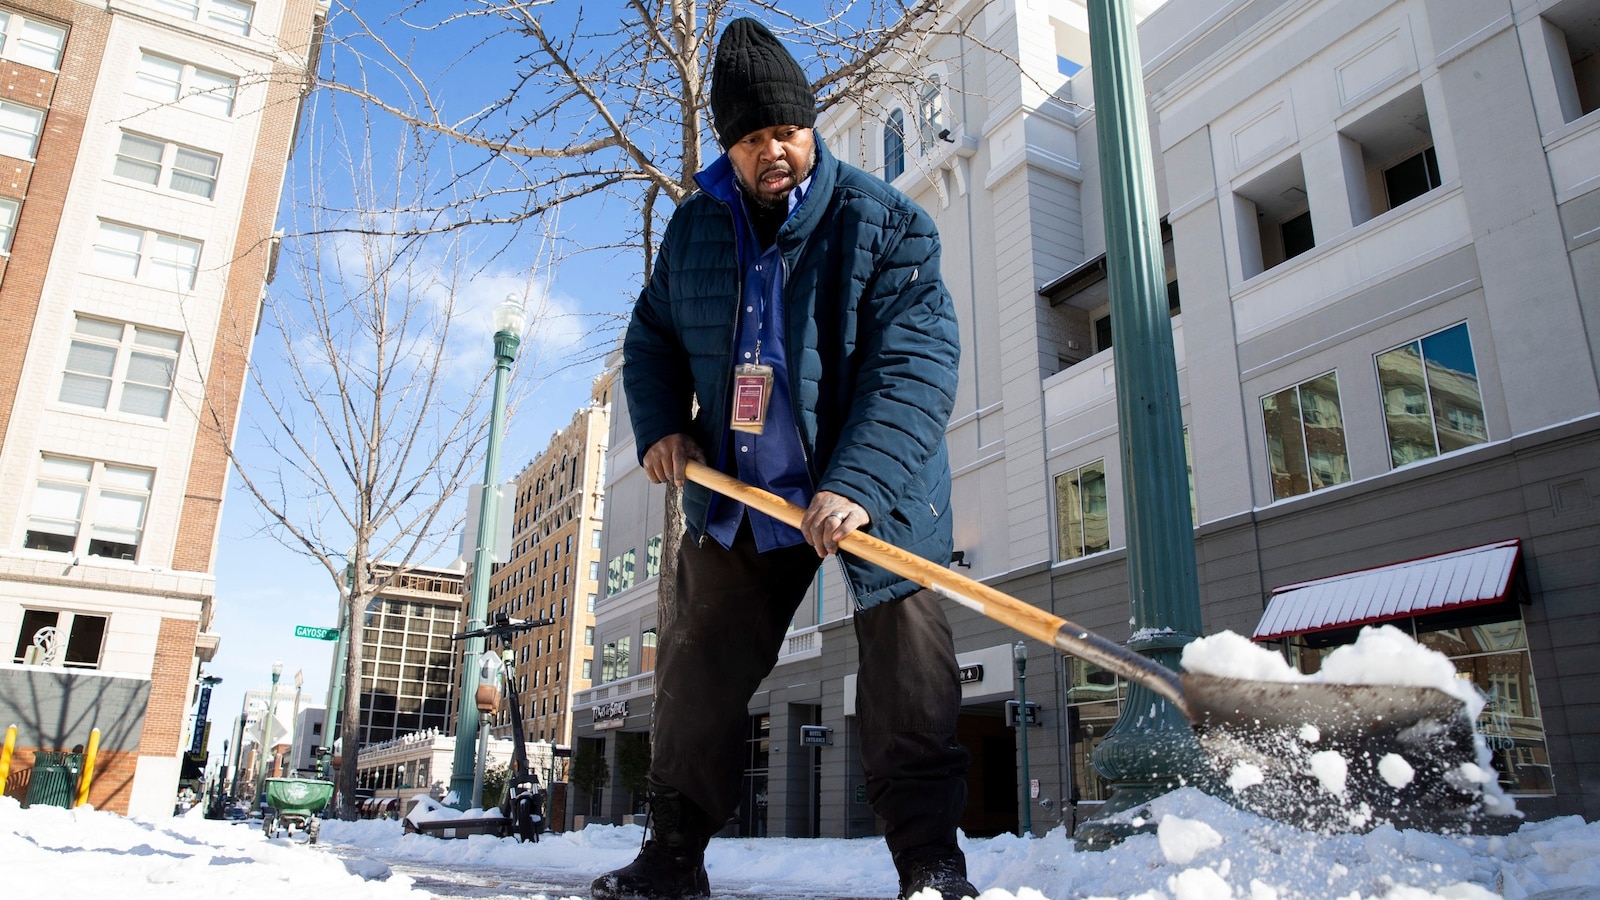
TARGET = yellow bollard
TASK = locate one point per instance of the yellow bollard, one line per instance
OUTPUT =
(87, 777)
(5, 756)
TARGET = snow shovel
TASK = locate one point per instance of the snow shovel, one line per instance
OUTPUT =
(1408, 753)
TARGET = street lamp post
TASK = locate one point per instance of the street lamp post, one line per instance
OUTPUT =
(266, 734)
(1019, 653)
(509, 319)
(294, 722)
(1150, 749)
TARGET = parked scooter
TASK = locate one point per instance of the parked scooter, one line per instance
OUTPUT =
(522, 804)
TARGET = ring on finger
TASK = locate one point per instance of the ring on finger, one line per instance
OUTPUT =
(836, 514)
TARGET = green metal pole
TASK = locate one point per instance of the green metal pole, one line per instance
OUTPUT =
(1150, 750)
(330, 724)
(1019, 653)
(266, 734)
(506, 341)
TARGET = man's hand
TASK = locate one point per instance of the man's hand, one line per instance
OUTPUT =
(668, 459)
(828, 519)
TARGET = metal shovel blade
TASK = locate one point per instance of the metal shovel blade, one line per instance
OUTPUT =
(1339, 757)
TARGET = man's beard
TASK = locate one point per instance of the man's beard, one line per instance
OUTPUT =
(780, 201)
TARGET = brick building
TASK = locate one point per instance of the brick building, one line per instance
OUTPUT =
(144, 145)
(554, 571)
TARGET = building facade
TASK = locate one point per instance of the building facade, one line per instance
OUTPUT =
(553, 573)
(409, 663)
(1382, 235)
(145, 144)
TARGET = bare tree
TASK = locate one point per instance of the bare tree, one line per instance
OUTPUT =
(372, 408)
(609, 101)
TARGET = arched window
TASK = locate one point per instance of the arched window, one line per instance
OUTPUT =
(894, 146)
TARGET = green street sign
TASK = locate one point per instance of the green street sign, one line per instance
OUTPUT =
(315, 633)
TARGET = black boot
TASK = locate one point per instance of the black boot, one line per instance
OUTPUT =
(671, 865)
(938, 866)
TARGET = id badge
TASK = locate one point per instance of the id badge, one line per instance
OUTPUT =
(752, 389)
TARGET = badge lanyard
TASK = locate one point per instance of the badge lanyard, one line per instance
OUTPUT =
(752, 384)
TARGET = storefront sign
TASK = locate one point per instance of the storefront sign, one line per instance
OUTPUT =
(610, 715)
(972, 674)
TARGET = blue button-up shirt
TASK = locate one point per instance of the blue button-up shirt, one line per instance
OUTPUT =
(773, 460)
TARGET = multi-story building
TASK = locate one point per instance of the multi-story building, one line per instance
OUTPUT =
(145, 144)
(1383, 253)
(553, 571)
(409, 667)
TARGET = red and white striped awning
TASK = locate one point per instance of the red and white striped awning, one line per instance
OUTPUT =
(1469, 577)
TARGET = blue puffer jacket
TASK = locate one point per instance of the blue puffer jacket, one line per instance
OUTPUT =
(872, 347)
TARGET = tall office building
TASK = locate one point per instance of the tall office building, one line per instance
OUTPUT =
(553, 573)
(144, 145)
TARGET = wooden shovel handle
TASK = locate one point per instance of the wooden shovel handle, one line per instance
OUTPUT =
(1032, 621)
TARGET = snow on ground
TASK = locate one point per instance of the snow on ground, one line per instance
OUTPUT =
(1199, 849)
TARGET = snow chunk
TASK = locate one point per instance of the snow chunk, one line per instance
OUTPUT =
(1184, 839)
(1395, 770)
(1331, 771)
(1245, 775)
(1199, 884)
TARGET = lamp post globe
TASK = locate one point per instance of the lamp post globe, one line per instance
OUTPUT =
(510, 318)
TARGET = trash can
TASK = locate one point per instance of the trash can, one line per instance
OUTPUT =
(54, 779)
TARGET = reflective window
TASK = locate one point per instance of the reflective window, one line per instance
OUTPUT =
(1082, 526)
(1305, 437)
(1431, 402)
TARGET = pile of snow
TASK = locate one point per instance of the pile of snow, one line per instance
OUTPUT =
(1382, 654)
(1199, 848)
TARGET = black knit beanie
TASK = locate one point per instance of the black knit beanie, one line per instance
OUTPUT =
(756, 83)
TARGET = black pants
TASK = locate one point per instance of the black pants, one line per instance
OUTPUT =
(734, 610)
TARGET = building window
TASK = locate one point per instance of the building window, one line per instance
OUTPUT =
(154, 258)
(1431, 403)
(9, 209)
(188, 171)
(588, 636)
(614, 660)
(56, 638)
(930, 111)
(588, 670)
(136, 364)
(171, 81)
(1411, 177)
(1274, 218)
(30, 42)
(647, 651)
(894, 146)
(70, 493)
(589, 603)
(594, 539)
(1305, 437)
(594, 575)
(232, 16)
(19, 129)
(652, 557)
(1081, 520)
(1572, 37)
